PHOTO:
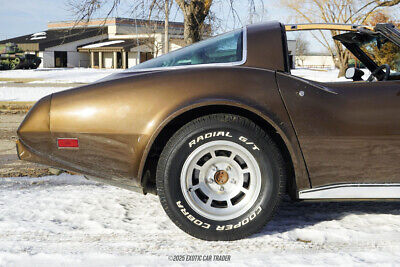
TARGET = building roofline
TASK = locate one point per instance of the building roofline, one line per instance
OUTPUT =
(106, 22)
(55, 37)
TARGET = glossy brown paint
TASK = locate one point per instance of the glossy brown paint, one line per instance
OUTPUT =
(265, 48)
(349, 132)
(117, 121)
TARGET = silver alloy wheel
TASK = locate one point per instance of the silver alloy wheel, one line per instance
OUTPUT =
(221, 180)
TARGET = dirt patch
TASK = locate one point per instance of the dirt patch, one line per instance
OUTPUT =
(15, 107)
(20, 80)
(32, 172)
(10, 165)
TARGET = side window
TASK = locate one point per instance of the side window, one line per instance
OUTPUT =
(226, 48)
(314, 60)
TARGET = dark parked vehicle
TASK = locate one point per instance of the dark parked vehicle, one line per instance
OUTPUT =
(221, 130)
(11, 58)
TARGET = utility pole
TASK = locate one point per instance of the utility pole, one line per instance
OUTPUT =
(166, 25)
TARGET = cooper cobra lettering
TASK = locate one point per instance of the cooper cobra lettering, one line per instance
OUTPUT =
(191, 217)
(245, 221)
(218, 227)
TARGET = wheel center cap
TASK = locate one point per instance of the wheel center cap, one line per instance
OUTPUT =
(221, 177)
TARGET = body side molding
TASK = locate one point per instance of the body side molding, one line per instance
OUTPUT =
(353, 191)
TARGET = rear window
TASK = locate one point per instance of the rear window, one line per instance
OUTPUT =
(225, 48)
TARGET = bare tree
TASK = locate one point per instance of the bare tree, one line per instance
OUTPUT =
(371, 6)
(195, 12)
(335, 11)
(302, 48)
(255, 14)
(166, 27)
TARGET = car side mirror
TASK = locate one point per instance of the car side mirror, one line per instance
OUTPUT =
(355, 74)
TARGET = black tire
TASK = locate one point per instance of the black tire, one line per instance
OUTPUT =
(247, 135)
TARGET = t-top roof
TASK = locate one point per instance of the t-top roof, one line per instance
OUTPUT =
(326, 26)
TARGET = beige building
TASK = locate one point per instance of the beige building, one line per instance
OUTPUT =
(100, 43)
(315, 60)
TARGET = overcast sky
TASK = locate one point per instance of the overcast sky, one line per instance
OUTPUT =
(20, 17)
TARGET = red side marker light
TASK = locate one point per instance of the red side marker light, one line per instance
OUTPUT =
(67, 143)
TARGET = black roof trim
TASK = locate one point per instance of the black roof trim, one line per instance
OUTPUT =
(58, 37)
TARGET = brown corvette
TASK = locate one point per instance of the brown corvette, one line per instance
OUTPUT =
(221, 130)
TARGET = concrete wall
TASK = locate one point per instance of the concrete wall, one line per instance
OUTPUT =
(173, 46)
(131, 29)
(47, 59)
(133, 59)
(40, 54)
(74, 58)
(77, 59)
(316, 61)
(107, 60)
(72, 47)
(292, 47)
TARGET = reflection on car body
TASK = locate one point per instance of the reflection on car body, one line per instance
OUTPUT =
(314, 140)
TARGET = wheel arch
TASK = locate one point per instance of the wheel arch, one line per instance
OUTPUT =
(150, 159)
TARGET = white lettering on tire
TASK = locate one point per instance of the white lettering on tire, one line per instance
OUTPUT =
(191, 217)
(241, 223)
(226, 227)
(207, 136)
(221, 133)
(246, 141)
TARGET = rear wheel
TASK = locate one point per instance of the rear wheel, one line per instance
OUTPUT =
(220, 177)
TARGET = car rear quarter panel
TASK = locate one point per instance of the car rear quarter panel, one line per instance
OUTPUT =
(117, 121)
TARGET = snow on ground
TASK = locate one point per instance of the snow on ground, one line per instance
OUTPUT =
(69, 221)
(324, 75)
(31, 85)
(64, 77)
(59, 75)
(27, 93)
(321, 75)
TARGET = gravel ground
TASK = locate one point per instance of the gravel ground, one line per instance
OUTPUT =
(10, 165)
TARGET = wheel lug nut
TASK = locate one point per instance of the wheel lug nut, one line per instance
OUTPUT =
(233, 181)
(228, 168)
(221, 189)
(210, 180)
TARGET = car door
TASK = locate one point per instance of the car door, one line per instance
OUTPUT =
(349, 132)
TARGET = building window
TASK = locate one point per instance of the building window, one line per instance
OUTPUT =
(144, 56)
(96, 59)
